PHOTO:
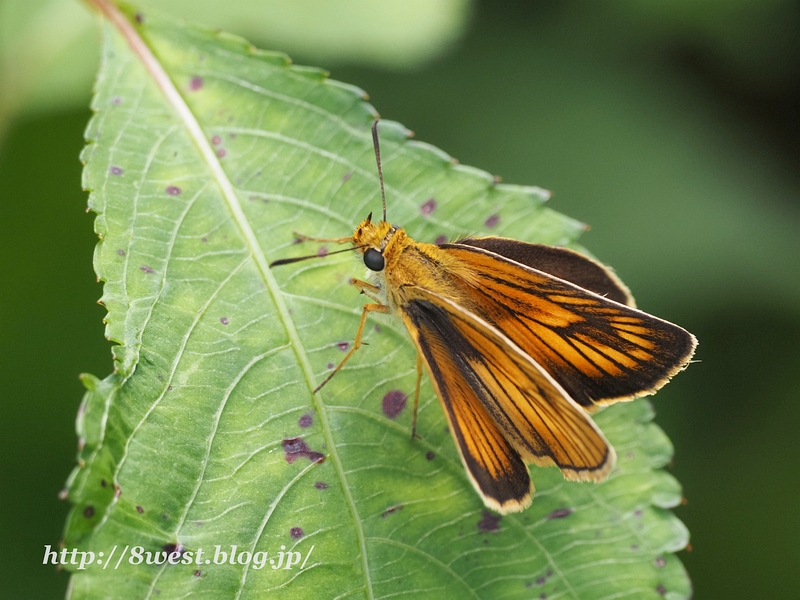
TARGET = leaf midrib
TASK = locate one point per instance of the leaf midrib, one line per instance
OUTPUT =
(184, 114)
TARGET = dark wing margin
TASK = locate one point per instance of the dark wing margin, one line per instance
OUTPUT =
(561, 262)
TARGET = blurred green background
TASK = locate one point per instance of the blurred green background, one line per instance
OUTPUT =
(671, 127)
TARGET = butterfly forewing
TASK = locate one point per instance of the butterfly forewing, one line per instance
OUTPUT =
(597, 349)
(495, 468)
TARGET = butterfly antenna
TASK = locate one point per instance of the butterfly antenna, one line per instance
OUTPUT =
(378, 160)
(287, 261)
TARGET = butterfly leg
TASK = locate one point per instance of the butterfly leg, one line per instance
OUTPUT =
(416, 396)
(364, 287)
(368, 308)
(367, 289)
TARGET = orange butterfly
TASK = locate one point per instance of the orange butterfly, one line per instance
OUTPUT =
(520, 341)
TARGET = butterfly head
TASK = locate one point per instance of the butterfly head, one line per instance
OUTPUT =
(371, 239)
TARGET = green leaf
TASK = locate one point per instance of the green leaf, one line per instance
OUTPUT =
(201, 162)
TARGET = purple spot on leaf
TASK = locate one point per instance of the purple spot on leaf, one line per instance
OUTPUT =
(196, 83)
(216, 140)
(343, 346)
(139, 18)
(541, 580)
(173, 190)
(147, 269)
(322, 251)
(378, 328)
(103, 483)
(88, 512)
(140, 510)
(224, 320)
(637, 513)
(305, 421)
(430, 455)
(560, 513)
(393, 403)
(115, 170)
(428, 206)
(331, 365)
(197, 573)
(204, 240)
(346, 176)
(116, 101)
(390, 510)
(295, 448)
(440, 239)
(489, 522)
(121, 252)
(321, 485)
(222, 152)
(171, 548)
(662, 591)
(296, 533)
(492, 221)
(661, 562)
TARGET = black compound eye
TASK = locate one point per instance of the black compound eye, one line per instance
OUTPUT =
(374, 260)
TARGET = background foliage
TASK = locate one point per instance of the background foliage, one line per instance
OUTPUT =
(670, 130)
